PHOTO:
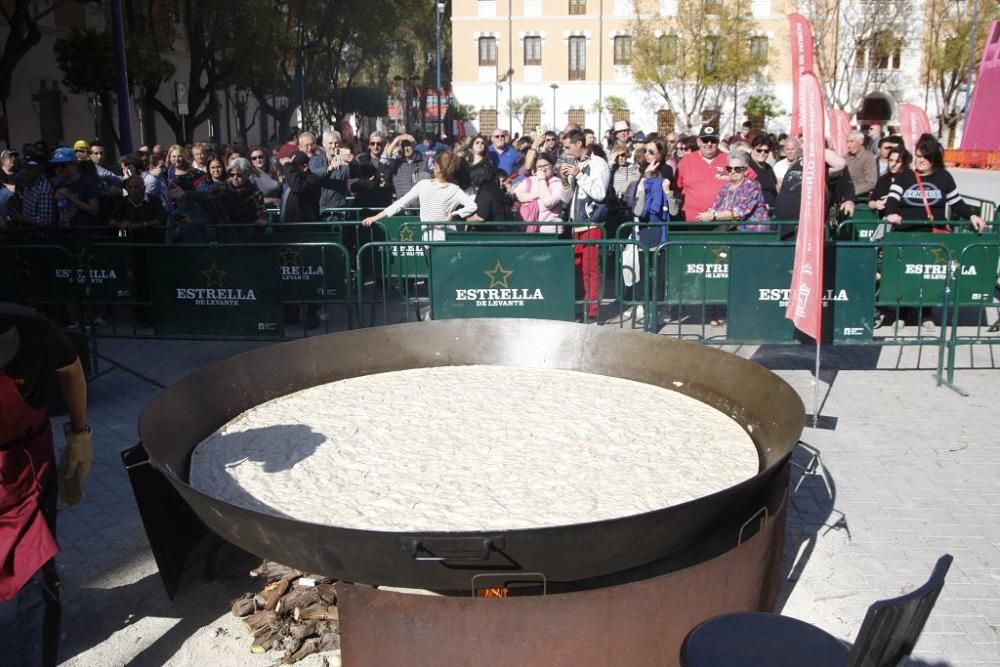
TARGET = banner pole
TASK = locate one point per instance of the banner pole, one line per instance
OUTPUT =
(815, 412)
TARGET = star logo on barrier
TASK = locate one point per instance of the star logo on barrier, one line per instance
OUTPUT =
(84, 258)
(289, 256)
(213, 276)
(719, 253)
(406, 233)
(498, 276)
(938, 255)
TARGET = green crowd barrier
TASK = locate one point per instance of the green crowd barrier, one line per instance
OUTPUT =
(239, 291)
(40, 274)
(525, 277)
(744, 280)
(970, 321)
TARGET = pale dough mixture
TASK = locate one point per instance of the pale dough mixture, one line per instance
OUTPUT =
(473, 448)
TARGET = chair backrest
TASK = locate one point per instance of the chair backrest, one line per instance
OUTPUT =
(891, 627)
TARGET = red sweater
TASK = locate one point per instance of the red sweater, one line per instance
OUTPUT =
(700, 181)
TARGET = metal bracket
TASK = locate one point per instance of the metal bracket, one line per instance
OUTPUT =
(814, 467)
(762, 510)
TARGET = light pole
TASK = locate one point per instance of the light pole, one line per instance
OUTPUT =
(555, 125)
(438, 11)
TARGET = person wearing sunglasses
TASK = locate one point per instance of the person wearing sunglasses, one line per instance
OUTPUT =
(760, 152)
(373, 156)
(263, 176)
(502, 154)
(740, 200)
(701, 174)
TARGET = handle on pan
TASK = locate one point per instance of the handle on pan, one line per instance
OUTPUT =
(452, 549)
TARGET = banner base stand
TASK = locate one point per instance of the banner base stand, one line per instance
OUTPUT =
(822, 422)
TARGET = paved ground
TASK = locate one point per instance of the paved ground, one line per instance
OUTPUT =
(913, 467)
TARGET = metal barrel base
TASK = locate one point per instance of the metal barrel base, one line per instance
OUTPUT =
(635, 624)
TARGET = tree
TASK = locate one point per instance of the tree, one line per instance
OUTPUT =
(613, 106)
(859, 46)
(764, 106)
(87, 60)
(518, 108)
(946, 50)
(690, 60)
(23, 34)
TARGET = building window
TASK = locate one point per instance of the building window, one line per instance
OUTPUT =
(578, 116)
(758, 50)
(487, 121)
(577, 6)
(487, 51)
(664, 122)
(668, 49)
(577, 58)
(532, 50)
(532, 118)
(623, 50)
(880, 51)
(711, 53)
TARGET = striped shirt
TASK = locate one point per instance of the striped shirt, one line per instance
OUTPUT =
(907, 197)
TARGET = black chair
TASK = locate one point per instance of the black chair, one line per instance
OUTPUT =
(753, 639)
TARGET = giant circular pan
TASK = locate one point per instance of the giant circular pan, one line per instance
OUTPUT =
(571, 557)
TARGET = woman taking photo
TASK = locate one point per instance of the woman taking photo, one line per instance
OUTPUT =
(759, 154)
(540, 196)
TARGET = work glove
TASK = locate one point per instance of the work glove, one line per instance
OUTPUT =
(74, 465)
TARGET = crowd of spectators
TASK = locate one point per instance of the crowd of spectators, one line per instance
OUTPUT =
(532, 183)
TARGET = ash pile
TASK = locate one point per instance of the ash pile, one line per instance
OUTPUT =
(294, 612)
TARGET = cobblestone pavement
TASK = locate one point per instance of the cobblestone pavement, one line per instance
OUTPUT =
(913, 469)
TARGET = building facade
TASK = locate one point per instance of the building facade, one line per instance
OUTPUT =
(41, 107)
(572, 54)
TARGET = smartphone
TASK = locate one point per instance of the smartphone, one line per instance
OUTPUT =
(345, 154)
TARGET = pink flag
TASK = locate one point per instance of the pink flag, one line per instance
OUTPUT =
(805, 298)
(913, 122)
(840, 127)
(802, 62)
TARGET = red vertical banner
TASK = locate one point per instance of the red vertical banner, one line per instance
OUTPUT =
(913, 122)
(840, 127)
(802, 62)
(805, 298)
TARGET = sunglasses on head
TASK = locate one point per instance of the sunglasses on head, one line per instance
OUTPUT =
(738, 170)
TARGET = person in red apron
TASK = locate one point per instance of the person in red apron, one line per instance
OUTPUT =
(32, 352)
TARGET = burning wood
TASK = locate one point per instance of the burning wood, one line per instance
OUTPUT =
(294, 612)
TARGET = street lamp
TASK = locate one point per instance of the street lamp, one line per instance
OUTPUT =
(438, 11)
(554, 87)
